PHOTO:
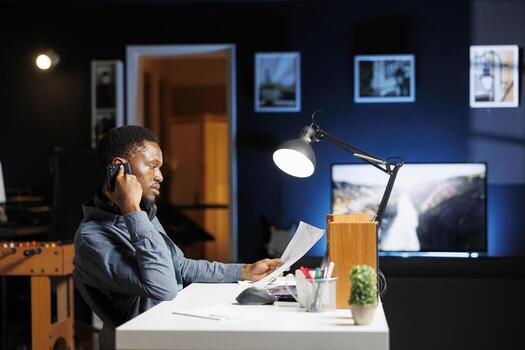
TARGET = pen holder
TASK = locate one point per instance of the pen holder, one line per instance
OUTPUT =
(301, 284)
(321, 296)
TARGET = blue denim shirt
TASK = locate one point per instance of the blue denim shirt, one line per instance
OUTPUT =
(132, 261)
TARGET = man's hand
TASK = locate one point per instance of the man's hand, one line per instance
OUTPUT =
(260, 269)
(127, 194)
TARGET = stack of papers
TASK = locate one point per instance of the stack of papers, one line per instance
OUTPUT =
(303, 240)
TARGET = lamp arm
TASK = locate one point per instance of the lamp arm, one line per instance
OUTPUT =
(386, 194)
(389, 168)
(356, 152)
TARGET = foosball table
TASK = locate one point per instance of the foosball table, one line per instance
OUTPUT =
(50, 266)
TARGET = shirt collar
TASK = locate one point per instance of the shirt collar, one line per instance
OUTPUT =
(98, 208)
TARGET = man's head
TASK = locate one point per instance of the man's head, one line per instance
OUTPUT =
(139, 147)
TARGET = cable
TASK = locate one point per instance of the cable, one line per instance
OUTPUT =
(381, 281)
(315, 115)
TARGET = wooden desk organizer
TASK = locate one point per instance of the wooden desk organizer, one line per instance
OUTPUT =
(351, 241)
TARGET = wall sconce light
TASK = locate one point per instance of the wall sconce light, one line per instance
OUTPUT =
(47, 60)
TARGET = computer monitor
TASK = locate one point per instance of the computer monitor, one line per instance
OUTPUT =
(435, 209)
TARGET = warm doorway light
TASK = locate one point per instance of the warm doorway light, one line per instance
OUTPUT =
(46, 60)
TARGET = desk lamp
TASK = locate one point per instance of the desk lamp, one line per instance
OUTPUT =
(297, 158)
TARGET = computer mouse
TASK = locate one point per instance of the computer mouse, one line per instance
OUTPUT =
(254, 296)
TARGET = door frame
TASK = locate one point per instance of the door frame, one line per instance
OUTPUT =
(133, 80)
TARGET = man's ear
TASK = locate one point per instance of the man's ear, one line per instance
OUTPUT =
(118, 160)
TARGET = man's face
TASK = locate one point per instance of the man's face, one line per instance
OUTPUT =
(145, 165)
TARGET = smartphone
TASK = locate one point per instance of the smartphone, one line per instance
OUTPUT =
(112, 171)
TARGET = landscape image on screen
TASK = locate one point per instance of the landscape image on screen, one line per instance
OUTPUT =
(432, 208)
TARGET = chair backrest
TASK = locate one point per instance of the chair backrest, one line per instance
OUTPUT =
(75, 180)
(98, 302)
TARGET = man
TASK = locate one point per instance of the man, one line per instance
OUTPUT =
(122, 250)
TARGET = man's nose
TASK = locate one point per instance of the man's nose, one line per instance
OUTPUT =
(158, 176)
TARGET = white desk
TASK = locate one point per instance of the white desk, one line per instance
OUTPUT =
(279, 326)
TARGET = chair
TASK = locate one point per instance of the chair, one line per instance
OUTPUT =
(98, 302)
(75, 180)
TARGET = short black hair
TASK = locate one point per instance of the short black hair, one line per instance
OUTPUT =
(121, 142)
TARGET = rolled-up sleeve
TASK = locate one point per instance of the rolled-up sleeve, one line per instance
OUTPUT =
(147, 272)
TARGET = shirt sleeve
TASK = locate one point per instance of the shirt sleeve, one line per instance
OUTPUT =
(206, 271)
(147, 272)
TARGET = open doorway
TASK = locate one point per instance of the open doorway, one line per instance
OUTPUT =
(186, 95)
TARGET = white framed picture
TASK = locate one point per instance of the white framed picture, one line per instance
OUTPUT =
(278, 82)
(384, 78)
(107, 97)
(494, 78)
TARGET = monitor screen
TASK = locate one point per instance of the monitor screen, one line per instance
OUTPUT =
(436, 208)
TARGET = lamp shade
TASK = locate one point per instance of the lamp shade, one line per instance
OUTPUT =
(295, 157)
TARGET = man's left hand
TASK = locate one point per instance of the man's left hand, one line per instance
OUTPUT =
(260, 269)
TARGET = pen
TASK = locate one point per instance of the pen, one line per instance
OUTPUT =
(315, 306)
(208, 316)
(320, 275)
(306, 273)
(328, 272)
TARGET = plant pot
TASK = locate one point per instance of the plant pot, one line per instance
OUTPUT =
(363, 314)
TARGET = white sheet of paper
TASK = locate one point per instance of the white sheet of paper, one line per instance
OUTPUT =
(221, 312)
(304, 238)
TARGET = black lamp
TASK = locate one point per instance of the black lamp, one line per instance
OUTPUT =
(296, 157)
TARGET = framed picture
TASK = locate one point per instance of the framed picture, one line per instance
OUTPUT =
(384, 78)
(107, 97)
(494, 76)
(278, 82)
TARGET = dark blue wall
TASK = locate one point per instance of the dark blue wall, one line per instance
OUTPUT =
(439, 127)
(431, 129)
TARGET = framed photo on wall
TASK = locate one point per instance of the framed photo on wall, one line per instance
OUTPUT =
(384, 78)
(278, 82)
(107, 97)
(494, 78)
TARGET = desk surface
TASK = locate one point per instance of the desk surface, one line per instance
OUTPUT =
(279, 326)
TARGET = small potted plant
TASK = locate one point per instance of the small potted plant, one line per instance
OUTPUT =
(363, 295)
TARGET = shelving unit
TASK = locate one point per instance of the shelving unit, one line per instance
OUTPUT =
(107, 97)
